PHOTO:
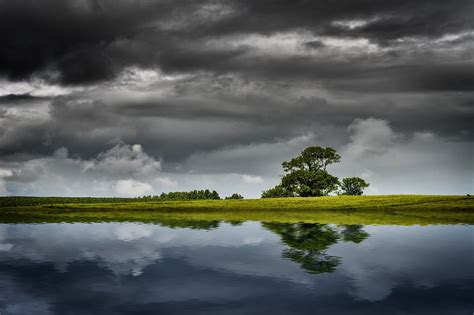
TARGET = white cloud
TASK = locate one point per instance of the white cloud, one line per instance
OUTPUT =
(166, 182)
(124, 160)
(395, 163)
(249, 179)
(369, 136)
(34, 87)
(354, 24)
(3, 188)
(5, 173)
(132, 188)
(123, 169)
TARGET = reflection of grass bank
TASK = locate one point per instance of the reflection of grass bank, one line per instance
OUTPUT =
(396, 209)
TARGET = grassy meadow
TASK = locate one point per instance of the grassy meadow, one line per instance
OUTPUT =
(390, 209)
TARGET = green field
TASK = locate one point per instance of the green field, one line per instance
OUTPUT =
(392, 209)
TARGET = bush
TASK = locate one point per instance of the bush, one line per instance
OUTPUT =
(235, 196)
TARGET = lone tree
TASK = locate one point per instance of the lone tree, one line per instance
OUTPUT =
(306, 174)
(353, 186)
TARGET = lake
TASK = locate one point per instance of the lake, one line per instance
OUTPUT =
(185, 267)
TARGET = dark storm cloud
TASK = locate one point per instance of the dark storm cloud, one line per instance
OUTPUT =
(91, 41)
(15, 98)
(395, 19)
(70, 35)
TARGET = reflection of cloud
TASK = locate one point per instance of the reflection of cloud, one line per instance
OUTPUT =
(395, 256)
(68, 267)
(127, 232)
(124, 248)
(4, 247)
(19, 302)
(116, 247)
(390, 258)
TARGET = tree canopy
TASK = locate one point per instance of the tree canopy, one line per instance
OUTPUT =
(353, 186)
(306, 175)
(312, 159)
(305, 183)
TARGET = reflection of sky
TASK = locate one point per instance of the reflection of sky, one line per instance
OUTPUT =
(139, 268)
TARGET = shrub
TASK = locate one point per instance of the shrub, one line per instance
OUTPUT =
(235, 196)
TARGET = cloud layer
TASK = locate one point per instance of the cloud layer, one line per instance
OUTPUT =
(221, 92)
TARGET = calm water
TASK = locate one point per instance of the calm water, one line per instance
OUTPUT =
(235, 268)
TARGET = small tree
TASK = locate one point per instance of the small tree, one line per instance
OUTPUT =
(353, 186)
(235, 196)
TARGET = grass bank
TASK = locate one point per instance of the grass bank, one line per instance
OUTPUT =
(391, 209)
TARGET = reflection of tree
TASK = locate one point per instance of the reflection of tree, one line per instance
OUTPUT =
(191, 224)
(235, 223)
(353, 233)
(307, 243)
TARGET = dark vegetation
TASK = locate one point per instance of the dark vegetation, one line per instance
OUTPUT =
(306, 176)
(185, 195)
(235, 196)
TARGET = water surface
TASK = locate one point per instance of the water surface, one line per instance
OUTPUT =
(235, 268)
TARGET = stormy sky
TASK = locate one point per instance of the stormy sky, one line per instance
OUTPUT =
(133, 97)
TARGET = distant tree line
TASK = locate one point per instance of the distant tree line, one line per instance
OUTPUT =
(306, 176)
(203, 194)
(186, 195)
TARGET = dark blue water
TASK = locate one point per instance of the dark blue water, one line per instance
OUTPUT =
(238, 268)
